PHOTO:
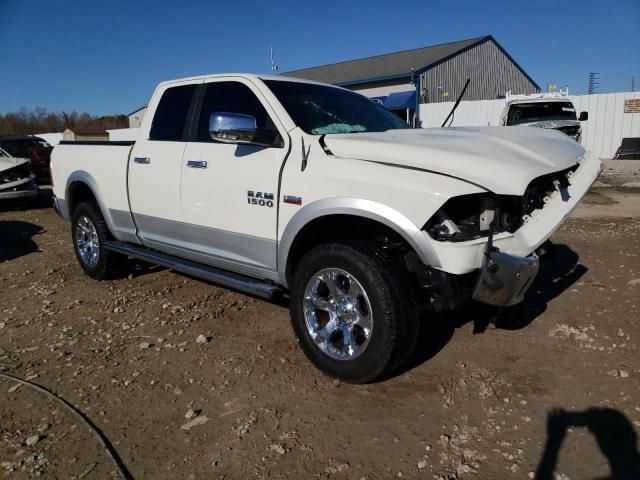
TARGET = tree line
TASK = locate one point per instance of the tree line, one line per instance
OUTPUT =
(39, 120)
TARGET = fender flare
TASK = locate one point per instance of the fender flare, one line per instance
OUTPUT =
(81, 176)
(358, 207)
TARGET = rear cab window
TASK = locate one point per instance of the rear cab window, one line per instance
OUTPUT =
(170, 119)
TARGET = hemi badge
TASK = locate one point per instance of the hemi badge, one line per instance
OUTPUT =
(292, 199)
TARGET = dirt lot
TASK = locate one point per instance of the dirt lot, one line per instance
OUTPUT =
(550, 386)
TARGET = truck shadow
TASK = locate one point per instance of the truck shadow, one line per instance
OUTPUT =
(613, 432)
(16, 239)
(557, 273)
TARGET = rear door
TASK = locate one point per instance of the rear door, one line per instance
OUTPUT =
(155, 166)
(229, 192)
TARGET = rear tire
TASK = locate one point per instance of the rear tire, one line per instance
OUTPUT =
(89, 232)
(354, 311)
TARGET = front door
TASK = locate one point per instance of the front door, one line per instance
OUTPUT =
(229, 192)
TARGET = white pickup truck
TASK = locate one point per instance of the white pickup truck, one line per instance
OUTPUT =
(274, 185)
(544, 110)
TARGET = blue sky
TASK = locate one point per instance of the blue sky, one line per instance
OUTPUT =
(107, 56)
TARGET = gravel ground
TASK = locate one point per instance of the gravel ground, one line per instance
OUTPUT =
(188, 380)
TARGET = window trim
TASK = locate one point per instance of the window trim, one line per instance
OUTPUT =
(184, 137)
(201, 93)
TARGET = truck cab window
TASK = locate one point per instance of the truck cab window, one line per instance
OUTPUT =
(171, 114)
(232, 97)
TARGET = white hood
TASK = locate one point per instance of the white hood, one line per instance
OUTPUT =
(9, 162)
(503, 160)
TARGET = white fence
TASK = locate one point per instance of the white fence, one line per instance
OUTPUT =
(601, 134)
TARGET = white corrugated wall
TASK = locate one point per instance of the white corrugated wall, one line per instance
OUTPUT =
(602, 133)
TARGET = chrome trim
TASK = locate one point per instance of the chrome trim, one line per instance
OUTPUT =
(504, 279)
(240, 129)
(231, 121)
(219, 276)
(87, 241)
(196, 164)
(142, 160)
(337, 314)
(358, 207)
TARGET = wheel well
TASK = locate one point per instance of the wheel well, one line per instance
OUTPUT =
(77, 193)
(336, 228)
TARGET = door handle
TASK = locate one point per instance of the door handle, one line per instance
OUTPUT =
(142, 160)
(196, 164)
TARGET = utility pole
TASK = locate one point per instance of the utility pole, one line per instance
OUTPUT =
(633, 83)
(594, 82)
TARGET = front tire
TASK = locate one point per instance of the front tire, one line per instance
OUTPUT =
(353, 311)
(89, 232)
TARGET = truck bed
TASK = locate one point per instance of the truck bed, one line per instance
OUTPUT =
(102, 166)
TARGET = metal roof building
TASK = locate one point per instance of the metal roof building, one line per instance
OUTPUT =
(437, 73)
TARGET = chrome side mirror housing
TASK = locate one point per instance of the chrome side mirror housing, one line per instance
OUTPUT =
(227, 127)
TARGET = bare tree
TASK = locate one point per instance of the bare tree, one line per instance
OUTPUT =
(39, 120)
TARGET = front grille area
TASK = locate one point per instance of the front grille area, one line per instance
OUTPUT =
(515, 210)
(477, 215)
(542, 187)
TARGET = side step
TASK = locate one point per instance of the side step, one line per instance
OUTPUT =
(216, 275)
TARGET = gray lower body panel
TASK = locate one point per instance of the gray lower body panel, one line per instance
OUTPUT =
(245, 254)
(123, 227)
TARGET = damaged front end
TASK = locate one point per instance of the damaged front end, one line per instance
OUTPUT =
(16, 179)
(469, 217)
(502, 235)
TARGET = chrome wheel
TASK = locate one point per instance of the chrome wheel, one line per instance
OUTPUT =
(338, 314)
(87, 242)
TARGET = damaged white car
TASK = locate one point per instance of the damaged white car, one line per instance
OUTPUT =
(16, 178)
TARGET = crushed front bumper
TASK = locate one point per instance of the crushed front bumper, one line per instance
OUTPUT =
(504, 279)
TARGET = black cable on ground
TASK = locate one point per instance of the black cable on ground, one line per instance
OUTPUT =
(113, 455)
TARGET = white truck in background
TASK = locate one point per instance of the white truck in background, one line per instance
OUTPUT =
(544, 110)
(272, 185)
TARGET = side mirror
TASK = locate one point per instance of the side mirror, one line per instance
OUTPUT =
(240, 129)
(583, 116)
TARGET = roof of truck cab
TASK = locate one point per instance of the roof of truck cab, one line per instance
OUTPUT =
(248, 76)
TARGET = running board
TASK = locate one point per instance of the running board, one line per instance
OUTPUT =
(216, 275)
